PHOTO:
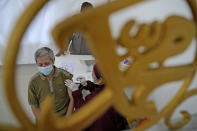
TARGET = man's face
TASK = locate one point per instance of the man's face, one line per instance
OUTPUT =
(44, 61)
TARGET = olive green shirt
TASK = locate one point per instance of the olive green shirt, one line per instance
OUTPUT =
(40, 86)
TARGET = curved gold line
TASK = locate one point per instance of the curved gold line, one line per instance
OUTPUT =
(178, 96)
(186, 115)
(10, 61)
(10, 128)
(169, 106)
(193, 7)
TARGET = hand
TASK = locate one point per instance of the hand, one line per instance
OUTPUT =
(59, 54)
(82, 80)
(70, 84)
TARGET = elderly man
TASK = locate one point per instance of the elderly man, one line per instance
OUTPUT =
(49, 80)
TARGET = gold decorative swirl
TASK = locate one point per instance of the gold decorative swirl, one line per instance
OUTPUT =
(161, 40)
(186, 115)
(10, 62)
(170, 105)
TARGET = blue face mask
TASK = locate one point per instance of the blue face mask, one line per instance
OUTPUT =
(45, 70)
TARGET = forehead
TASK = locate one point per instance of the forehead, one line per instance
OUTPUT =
(43, 58)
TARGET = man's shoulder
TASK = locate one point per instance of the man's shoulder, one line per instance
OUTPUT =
(64, 72)
(35, 77)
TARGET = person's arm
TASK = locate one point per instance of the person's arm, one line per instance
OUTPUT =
(33, 100)
(59, 54)
(36, 111)
(62, 53)
(71, 103)
(76, 93)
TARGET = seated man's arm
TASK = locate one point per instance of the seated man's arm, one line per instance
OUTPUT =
(36, 111)
(33, 100)
(71, 103)
(76, 93)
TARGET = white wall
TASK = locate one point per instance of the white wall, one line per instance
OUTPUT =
(23, 74)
